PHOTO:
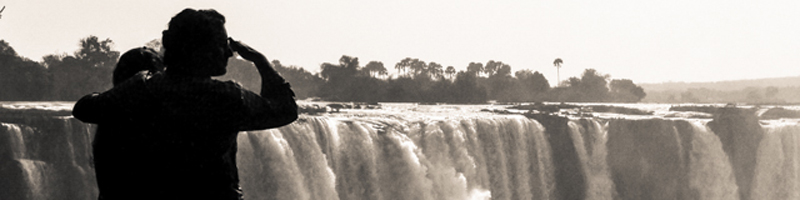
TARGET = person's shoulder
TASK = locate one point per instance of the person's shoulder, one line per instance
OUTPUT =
(137, 79)
(224, 87)
(226, 84)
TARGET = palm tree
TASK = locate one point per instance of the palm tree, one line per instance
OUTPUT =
(435, 70)
(403, 66)
(418, 67)
(557, 63)
(475, 68)
(375, 69)
(450, 71)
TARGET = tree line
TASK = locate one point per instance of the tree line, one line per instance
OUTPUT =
(59, 77)
(65, 77)
(770, 95)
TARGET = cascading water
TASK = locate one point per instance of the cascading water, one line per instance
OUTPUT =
(777, 172)
(464, 155)
(47, 160)
(590, 144)
(391, 159)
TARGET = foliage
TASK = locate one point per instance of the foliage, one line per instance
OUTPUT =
(623, 90)
(88, 70)
(376, 69)
(20, 78)
(245, 73)
(532, 85)
(591, 87)
(69, 77)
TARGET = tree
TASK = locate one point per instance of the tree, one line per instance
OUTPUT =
(403, 66)
(500, 84)
(491, 67)
(336, 82)
(303, 82)
(503, 70)
(533, 85)
(467, 90)
(593, 86)
(623, 90)
(245, 73)
(349, 63)
(451, 72)
(435, 70)
(97, 53)
(88, 70)
(375, 69)
(558, 63)
(20, 78)
(155, 44)
(418, 67)
(341, 82)
(475, 68)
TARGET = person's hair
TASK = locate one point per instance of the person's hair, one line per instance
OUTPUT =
(188, 31)
(135, 60)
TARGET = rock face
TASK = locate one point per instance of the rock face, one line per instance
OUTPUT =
(649, 158)
(571, 182)
(777, 113)
(741, 135)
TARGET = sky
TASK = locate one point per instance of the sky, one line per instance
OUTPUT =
(645, 41)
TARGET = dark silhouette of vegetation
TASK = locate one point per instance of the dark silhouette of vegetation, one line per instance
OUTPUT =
(60, 77)
(20, 78)
(623, 90)
(68, 77)
(557, 62)
(303, 83)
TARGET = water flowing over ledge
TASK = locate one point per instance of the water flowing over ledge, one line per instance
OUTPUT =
(441, 152)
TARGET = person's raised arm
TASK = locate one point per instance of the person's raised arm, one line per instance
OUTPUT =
(276, 106)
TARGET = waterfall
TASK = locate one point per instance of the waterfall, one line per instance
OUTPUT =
(454, 157)
(590, 139)
(47, 160)
(472, 158)
(710, 173)
(663, 159)
(777, 170)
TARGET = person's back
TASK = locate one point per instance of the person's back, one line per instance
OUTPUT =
(117, 147)
(190, 120)
(197, 124)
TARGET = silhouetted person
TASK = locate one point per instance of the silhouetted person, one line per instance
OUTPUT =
(114, 150)
(135, 61)
(189, 121)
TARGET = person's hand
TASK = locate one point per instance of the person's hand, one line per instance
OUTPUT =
(247, 52)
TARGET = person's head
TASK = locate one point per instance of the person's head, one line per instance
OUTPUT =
(135, 60)
(196, 43)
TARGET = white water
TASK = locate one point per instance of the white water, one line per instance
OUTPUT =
(439, 153)
(776, 174)
(48, 160)
(710, 172)
(322, 158)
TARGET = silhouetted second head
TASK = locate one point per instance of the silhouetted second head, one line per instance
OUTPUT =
(196, 44)
(135, 60)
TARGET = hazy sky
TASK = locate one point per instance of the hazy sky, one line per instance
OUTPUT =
(646, 41)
